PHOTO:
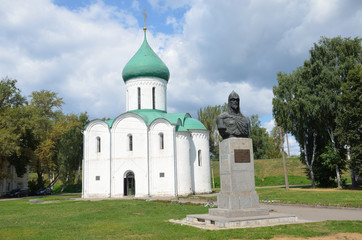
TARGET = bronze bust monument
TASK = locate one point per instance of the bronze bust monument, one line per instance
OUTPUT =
(232, 123)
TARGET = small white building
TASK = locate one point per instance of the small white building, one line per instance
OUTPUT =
(14, 182)
(146, 151)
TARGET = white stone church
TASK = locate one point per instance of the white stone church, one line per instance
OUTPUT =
(146, 151)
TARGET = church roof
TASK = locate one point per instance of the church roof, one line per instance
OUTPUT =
(183, 121)
(191, 123)
(145, 63)
(110, 122)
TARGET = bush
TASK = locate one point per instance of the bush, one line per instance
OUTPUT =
(33, 186)
(73, 188)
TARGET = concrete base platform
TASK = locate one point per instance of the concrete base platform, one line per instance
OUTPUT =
(207, 221)
(235, 213)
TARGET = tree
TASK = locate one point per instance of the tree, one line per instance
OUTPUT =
(293, 110)
(10, 95)
(348, 120)
(13, 127)
(262, 145)
(70, 152)
(275, 142)
(305, 102)
(208, 117)
(326, 70)
(49, 125)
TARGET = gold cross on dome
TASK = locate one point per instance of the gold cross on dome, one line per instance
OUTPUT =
(145, 17)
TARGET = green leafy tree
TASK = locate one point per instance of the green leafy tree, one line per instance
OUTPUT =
(275, 142)
(306, 101)
(10, 95)
(262, 145)
(70, 152)
(326, 70)
(13, 127)
(208, 116)
(49, 125)
(330, 158)
(293, 110)
(349, 119)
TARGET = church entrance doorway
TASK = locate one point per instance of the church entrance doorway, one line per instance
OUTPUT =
(129, 184)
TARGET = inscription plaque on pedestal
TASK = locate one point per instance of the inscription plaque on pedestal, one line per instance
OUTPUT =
(242, 155)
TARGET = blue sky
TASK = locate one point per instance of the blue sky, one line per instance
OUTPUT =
(158, 12)
(78, 48)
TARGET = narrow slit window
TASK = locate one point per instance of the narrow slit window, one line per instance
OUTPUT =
(153, 98)
(139, 97)
(199, 160)
(98, 144)
(162, 142)
(130, 143)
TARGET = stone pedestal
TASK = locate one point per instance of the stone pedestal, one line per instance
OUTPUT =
(237, 197)
(238, 203)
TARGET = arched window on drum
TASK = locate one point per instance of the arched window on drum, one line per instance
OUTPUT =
(130, 142)
(162, 140)
(98, 142)
(199, 158)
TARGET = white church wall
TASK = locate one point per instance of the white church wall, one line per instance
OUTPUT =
(200, 161)
(146, 84)
(96, 160)
(184, 181)
(124, 159)
(162, 160)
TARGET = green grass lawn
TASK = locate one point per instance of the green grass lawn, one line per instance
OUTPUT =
(58, 218)
(274, 167)
(270, 172)
(321, 197)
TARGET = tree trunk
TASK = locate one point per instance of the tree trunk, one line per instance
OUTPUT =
(353, 176)
(338, 174)
(78, 181)
(338, 177)
(40, 180)
(55, 179)
(65, 183)
(212, 174)
(52, 180)
(313, 158)
(311, 173)
(283, 155)
(286, 135)
(310, 167)
(39, 172)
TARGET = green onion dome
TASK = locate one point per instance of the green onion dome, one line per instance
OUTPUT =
(145, 63)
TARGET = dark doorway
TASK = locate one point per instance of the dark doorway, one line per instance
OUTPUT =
(129, 184)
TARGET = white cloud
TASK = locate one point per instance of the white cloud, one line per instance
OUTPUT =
(293, 146)
(136, 5)
(216, 47)
(269, 125)
(164, 5)
(77, 54)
